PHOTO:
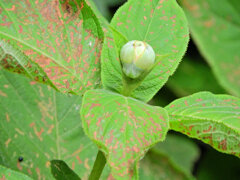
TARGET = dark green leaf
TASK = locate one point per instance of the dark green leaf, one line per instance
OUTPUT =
(192, 77)
(181, 151)
(214, 119)
(61, 171)
(155, 166)
(123, 128)
(215, 28)
(218, 166)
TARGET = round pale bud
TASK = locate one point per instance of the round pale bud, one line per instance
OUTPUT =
(136, 57)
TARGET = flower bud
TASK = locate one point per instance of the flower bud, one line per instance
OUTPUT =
(136, 57)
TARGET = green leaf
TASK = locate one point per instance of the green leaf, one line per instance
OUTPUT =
(8, 174)
(214, 119)
(123, 128)
(61, 171)
(39, 125)
(191, 77)
(215, 28)
(184, 156)
(163, 25)
(64, 38)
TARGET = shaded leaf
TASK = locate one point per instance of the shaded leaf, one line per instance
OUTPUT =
(8, 174)
(160, 23)
(218, 166)
(39, 124)
(63, 37)
(214, 119)
(123, 128)
(215, 28)
(184, 156)
(61, 171)
(155, 166)
(191, 77)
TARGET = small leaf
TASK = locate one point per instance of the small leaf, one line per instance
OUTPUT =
(61, 171)
(123, 128)
(215, 29)
(8, 174)
(63, 37)
(39, 124)
(214, 119)
(160, 23)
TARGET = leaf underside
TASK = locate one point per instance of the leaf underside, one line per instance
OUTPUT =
(213, 119)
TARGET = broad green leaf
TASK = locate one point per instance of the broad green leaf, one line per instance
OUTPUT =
(39, 125)
(184, 156)
(160, 23)
(63, 37)
(215, 165)
(215, 29)
(8, 174)
(192, 77)
(123, 128)
(214, 119)
(61, 171)
(12, 59)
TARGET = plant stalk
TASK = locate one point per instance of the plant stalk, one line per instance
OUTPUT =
(98, 166)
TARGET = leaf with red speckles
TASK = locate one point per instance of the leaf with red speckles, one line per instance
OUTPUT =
(39, 124)
(8, 174)
(12, 59)
(123, 128)
(63, 37)
(163, 25)
(215, 28)
(214, 119)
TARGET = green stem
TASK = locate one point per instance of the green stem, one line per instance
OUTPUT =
(98, 166)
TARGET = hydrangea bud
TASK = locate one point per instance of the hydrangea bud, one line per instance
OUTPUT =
(136, 57)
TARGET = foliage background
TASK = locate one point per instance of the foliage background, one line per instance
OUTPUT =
(193, 75)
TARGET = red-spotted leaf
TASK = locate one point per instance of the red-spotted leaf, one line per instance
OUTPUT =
(123, 128)
(12, 59)
(215, 28)
(160, 23)
(63, 37)
(38, 125)
(8, 174)
(214, 119)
